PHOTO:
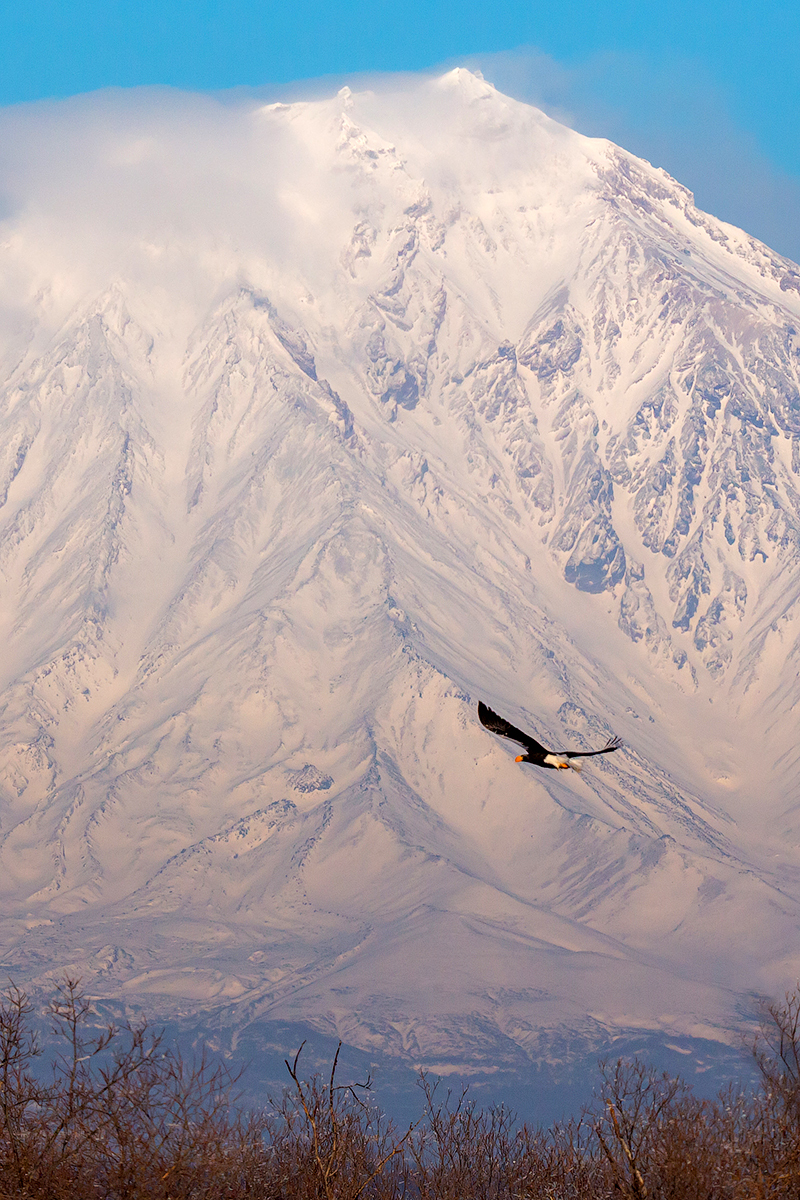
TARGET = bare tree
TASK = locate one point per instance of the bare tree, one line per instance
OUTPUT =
(334, 1144)
(120, 1117)
(777, 1051)
(20, 1094)
(123, 1117)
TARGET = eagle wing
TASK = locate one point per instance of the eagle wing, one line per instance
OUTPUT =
(613, 744)
(500, 725)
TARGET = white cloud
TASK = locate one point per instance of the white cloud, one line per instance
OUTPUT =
(189, 188)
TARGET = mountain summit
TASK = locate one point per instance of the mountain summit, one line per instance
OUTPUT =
(319, 423)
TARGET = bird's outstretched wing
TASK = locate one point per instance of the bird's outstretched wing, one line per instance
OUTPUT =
(506, 729)
(613, 744)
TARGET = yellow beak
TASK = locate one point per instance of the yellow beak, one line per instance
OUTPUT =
(519, 758)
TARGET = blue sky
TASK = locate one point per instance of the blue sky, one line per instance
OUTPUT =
(708, 90)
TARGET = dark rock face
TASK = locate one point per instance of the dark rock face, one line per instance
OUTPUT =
(597, 562)
(554, 350)
(389, 377)
(310, 779)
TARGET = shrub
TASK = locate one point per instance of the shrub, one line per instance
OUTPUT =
(121, 1117)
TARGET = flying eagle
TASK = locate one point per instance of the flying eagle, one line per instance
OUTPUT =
(535, 752)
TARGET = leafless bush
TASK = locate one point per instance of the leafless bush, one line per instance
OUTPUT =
(777, 1052)
(121, 1117)
(461, 1150)
(325, 1140)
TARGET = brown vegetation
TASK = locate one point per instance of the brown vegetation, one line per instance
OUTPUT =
(122, 1118)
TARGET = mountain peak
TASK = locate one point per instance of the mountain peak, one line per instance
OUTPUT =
(320, 424)
(470, 83)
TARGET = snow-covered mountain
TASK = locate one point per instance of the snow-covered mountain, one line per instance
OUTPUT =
(320, 422)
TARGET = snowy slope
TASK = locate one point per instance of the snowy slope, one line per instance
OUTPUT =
(319, 423)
